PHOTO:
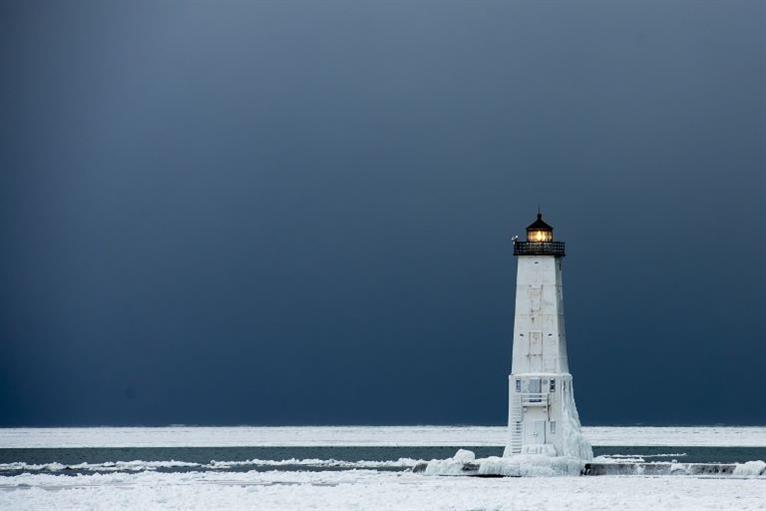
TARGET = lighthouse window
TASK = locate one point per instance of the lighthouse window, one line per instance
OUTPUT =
(553, 427)
(553, 387)
(518, 385)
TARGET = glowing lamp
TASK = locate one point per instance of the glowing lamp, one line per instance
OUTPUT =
(539, 231)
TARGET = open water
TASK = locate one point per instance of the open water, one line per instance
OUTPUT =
(90, 460)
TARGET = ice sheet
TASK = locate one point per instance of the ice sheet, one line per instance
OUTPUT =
(457, 436)
(371, 491)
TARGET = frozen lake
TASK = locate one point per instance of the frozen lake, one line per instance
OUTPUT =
(307, 436)
(361, 468)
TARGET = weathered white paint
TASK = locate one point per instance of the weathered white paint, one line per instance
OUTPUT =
(542, 417)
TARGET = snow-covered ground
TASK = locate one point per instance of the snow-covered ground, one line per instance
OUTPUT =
(307, 436)
(370, 490)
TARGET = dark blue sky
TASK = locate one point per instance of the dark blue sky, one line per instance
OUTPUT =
(300, 213)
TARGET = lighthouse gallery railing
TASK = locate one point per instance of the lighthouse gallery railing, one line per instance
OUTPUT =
(554, 248)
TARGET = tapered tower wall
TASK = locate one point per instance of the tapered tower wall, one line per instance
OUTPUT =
(539, 338)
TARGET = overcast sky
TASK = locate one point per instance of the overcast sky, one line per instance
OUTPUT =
(301, 212)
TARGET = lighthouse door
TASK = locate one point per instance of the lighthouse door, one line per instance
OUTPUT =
(534, 432)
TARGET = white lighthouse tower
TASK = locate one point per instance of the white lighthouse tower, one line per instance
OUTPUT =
(542, 417)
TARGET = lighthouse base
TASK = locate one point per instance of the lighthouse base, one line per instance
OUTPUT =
(464, 464)
(539, 450)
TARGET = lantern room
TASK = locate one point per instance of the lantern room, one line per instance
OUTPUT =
(539, 231)
(539, 241)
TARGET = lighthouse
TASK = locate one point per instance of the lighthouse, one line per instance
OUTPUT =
(542, 416)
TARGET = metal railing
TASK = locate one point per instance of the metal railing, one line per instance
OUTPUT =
(534, 399)
(554, 248)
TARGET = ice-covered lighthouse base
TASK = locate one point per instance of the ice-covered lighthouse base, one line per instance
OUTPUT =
(464, 463)
(536, 460)
(568, 440)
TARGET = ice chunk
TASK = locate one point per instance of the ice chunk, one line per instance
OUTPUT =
(750, 468)
(465, 463)
(464, 455)
(462, 462)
